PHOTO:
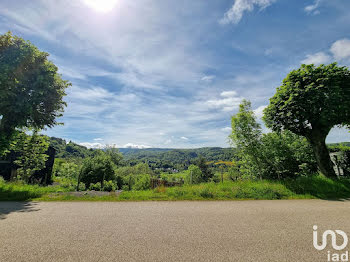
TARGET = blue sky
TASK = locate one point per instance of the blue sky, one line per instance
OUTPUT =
(149, 73)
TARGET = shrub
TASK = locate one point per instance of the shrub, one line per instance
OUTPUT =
(96, 187)
(142, 182)
(125, 188)
(194, 175)
(97, 169)
(109, 186)
(62, 168)
(68, 183)
(82, 187)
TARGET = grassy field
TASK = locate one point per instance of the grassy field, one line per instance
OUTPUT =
(302, 188)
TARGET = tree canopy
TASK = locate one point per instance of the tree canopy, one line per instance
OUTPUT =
(310, 101)
(31, 90)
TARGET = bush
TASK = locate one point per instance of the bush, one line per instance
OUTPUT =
(68, 183)
(142, 182)
(82, 187)
(128, 175)
(96, 187)
(216, 178)
(97, 169)
(63, 168)
(109, 186)
(125, 188)
(194, 175)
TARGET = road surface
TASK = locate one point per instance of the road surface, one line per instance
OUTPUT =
(279, 230)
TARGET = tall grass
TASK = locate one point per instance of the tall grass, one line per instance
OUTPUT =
(303, 187)
(17, 191)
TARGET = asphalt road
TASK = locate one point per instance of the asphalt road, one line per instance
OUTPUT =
(168, 231)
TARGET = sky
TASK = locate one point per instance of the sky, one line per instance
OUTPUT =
(170, 74)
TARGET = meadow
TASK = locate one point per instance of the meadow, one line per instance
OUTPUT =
(315, 187)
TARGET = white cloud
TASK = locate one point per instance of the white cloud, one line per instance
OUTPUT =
(312, 9)
(229, 102)
(131, 145)
(91, 94)
(93, 145)
(208, 78)
(259, 112)
(226, 129)
(235, 13)
(184, 138)
(228, 93)
(98, 139)
(317, 59)
(341, 49)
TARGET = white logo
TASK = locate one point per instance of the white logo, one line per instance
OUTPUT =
(332, 256)
(333, 237)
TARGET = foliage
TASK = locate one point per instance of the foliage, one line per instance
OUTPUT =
(31, 90)
(114, 154)
(246, 137)
(194, 175)
(310, 101)
(163, 160)
(127, 176)
(97, 169)
(70, 149)
(286, 155)
(63, 168)
(302, 187)
(142, 182)
(96, 187)
(109, 186)
(273, 155)
(65, 182)
(140, 168)
(205, 170)
(31, 154)
(19, 191)
(175, 177)
(82, 187)
(342, 159)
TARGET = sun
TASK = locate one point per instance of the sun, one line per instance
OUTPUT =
(102, 6)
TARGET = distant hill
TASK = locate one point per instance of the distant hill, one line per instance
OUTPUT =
(347, 144)
(70, 149)
(175, 158)
(155, 157)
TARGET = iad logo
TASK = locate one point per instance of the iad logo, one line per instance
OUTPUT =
(332, 256)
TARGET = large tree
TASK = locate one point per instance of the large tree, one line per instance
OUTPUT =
(310, 101)
(31, 90)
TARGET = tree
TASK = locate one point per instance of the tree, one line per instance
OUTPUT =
(194, 175)
(114, 154)
(246, 137)
(31, 151)
(310, 101)
(96, 169)
(287, 155)
(206, 172)
(31, 90)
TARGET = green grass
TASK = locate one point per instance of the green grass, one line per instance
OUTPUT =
(301, 188)
(21, 192)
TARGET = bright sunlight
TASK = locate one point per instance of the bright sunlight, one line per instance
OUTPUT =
(102, 6)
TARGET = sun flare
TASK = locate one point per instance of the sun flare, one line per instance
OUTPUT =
(102, 6)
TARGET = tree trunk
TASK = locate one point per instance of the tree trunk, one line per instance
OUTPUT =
(324, 162)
